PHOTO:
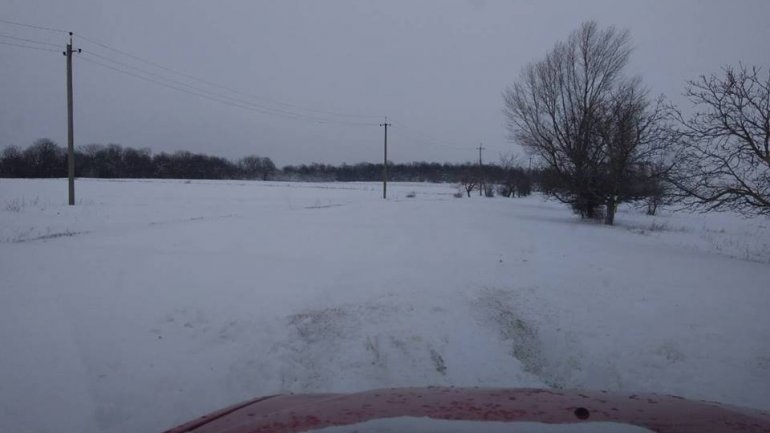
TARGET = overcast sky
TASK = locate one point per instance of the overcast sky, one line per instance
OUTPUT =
(314, 78)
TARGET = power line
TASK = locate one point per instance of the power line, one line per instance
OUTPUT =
(161, 83)
(32, 26)
(11, 44)
(266, 110)
(242, 100)
(219, 86)
(425, 139)
(427, 142)
(2, 35)
(208, 82)
(213, 97)
(152, 74)
(433, 141)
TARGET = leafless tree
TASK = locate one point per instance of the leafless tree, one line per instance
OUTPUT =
(637, 139)
(591, 125)
(509, 161)
(553, 110)
(470, 182)
(658, 190)
(255, 167)
(726, 158)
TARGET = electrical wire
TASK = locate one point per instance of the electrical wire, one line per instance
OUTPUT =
(264, 109)
(170, 86)
(11, 44)
(220, 99)
(241, 100)
(32, 26)
(287, 106)
(219, 86)
(3, 35)
(424, 139)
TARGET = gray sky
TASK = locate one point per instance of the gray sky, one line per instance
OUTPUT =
(436, 68)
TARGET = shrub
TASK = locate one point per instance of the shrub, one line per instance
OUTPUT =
(489, 190)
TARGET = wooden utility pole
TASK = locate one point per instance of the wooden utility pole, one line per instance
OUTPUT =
(385, 161)
(70, 126)
(481, 174)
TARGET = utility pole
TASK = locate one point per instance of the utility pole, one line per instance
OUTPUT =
(480, 148)
(70, 125)
(385, 161)
(481, 174)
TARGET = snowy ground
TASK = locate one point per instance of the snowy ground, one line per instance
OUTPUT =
(152, 302)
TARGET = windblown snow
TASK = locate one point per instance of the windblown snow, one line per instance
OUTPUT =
(153, 302)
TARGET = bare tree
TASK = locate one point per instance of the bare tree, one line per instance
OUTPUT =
(726, 159)
(510, 163)
(658, 190)
(553, 109)
(593, 127)
(470, 182)
(255, 167)
(636, 138)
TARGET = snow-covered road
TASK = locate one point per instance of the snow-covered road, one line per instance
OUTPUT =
(152, 302)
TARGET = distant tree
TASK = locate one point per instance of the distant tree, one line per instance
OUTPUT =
(12, 163)
(45, 159)
(137, 163)
(523, 185)
(162, 166)
(656, 188)
(510, 164)
(725, 159)
(85, 157)
(109, 161)
(470, 181)
(255, 167)
(268, 168)
(489, 190)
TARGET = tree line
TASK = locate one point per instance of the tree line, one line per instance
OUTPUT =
(602, 140)
(46, 159)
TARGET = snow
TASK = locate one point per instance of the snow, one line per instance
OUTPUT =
(156, 301)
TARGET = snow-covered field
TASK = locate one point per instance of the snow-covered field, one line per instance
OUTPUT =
(152, 302)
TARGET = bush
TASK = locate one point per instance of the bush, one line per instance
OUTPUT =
(489, 190)
(504, 191)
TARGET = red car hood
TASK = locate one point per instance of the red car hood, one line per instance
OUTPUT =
(303, 412)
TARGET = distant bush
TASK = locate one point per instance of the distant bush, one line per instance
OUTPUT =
(504, 191)
(411, 195)
(489, 190)
(523, 186)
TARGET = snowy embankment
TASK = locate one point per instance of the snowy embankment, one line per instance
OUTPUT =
(152, 302)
